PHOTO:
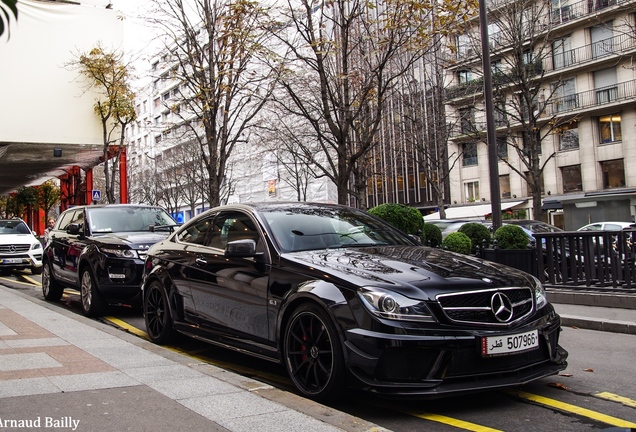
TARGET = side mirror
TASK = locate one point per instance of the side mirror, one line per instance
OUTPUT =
(241, 249)
(74, 229)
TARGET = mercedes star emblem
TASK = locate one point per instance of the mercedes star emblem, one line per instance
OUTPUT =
(501, 307)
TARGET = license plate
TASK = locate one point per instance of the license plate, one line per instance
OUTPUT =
(509, 344)
(12, 261)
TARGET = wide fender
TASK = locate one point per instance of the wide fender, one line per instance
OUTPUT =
(325, 294)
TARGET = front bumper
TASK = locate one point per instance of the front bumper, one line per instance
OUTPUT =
(118, 278)
(447, 362)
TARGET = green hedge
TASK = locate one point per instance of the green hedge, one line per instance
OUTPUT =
(405, 218)
(432, 235)
(458, 242)
(477, 233)
(511, 237)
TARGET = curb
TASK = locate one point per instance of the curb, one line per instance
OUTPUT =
(599, 325)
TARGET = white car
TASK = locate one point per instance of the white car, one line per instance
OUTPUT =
(19, 248)
(607, 226)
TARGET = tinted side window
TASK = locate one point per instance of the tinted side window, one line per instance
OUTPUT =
(232, 226)
(196, 233)
(65, 220)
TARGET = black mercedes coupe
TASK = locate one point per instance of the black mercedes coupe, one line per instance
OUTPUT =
(343, 299)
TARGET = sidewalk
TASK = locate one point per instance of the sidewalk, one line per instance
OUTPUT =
(61, 371)
(595, 310)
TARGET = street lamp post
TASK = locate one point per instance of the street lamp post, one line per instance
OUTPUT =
(493, 167)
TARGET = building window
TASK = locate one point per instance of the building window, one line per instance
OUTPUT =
(565, 96)
(471, 190)
(469, 154)
(529, 183)
(569, 136)
(610, 128)
(465, 76)
(504, 186)
(562, 53)
(502, 147)
(613, 174)
(605, 84)
(529, 140)
(572, 180)
(466, 120)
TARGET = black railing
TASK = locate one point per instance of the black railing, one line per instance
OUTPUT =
(577, 259)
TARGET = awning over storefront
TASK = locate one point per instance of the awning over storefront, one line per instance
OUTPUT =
(551, 205)
(478, 211)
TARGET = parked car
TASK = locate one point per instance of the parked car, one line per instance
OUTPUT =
(19, 247)
(448, 226)
(339, 296)
(99, 250)
(607, 226)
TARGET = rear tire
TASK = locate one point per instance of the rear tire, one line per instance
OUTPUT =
(51, 289)
(313, 354)
(92, 303)
(157, 314)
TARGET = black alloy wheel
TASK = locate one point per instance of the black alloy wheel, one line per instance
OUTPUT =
(313, 354)
(157, 314)
(51, 289)
(92, 303)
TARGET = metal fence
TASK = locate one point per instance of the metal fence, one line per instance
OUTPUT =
(603, 260)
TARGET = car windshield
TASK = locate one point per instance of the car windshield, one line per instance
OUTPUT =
(323, 228)
(13, 227)
(127, 219)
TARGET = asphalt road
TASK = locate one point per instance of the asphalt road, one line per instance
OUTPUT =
(596, 392)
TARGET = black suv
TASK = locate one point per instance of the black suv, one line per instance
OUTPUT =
(100, 250)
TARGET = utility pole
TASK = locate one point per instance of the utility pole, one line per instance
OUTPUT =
(493, 167)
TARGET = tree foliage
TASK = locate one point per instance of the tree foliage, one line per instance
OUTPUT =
(7, 8)
(49, 195)
(511, 237)
(107, 73)
(458, 242)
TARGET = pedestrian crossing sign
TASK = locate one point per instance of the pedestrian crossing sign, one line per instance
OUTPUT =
(97, 195)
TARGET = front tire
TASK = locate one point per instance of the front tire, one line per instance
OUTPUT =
(51, 289)
(92, 303)
(313, 354)
(157, 314)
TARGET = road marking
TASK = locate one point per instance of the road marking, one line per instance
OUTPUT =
(616, 398)
(20, 282)
(566, 407)
(124, 325)
(452, 422)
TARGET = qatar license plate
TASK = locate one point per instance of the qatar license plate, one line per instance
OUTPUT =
(509, 344)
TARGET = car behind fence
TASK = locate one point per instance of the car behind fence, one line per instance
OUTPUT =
(576, 259)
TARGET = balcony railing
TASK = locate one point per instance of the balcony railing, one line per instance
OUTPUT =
(615, 45)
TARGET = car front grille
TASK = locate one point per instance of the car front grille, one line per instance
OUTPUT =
(14, 249)
(500, 307)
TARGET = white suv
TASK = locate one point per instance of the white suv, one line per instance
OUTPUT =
(19, 248)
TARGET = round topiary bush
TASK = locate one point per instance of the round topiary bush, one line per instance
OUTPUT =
(405, 218)
(511, 237)
(477, 233)
(432, 235)
(458, 242)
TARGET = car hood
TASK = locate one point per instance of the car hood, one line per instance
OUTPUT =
(134, 240)
(7, 239)
(416, 271)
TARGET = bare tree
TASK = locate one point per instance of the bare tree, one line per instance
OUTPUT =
(342, 60)
(530, 104)
(215, 52)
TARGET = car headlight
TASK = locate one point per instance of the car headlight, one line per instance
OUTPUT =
(120, 253)
(36, 246)
(540, 298)
(390, 305)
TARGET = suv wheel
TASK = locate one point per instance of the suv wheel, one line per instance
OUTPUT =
(51, 289)
(92, 303)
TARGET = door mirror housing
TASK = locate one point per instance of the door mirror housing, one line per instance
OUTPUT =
(241, 249)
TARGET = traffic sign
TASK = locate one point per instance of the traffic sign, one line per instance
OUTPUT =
(97, 195)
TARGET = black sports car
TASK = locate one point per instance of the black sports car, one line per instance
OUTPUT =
(342, 298)
(100, 251)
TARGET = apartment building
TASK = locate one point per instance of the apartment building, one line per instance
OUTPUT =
(580, 58)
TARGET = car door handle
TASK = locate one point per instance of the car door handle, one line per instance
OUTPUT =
(201, 262)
